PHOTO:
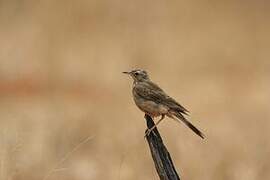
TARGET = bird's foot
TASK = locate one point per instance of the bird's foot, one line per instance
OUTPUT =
(147, 132)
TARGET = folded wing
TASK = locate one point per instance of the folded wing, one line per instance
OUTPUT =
(151, 91)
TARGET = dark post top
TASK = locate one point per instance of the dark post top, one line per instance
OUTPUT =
(160, 154)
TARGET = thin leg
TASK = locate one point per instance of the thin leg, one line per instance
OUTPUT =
(151, 129)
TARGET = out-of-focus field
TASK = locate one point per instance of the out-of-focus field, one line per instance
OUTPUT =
(61, 82)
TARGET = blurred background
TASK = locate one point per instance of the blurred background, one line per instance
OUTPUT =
(67, 111)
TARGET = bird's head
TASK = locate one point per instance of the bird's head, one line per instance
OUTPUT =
(138, 75)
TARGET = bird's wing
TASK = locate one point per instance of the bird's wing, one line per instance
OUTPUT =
(151, 91)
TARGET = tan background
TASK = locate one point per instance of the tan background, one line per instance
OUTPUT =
(61, 82)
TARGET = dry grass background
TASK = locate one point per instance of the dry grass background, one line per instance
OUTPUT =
(61, 82)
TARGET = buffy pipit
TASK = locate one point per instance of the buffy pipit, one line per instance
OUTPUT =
(153, 101)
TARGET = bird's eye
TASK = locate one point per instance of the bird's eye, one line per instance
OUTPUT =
(136, 73)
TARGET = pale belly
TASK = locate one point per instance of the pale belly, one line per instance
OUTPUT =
(151, 108)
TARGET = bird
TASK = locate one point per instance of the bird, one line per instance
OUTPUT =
(153, 101)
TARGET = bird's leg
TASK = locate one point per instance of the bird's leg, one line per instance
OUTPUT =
(151, 129)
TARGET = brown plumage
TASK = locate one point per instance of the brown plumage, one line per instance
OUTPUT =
(152, 100)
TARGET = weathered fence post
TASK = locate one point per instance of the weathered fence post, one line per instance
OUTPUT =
(160, 154)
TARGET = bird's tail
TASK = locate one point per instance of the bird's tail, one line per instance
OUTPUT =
(191, 126)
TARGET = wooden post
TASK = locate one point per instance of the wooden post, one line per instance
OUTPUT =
(160, 154)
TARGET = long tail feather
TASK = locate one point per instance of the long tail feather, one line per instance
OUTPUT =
(184, 120)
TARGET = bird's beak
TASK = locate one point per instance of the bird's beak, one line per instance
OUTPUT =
(126, 72)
